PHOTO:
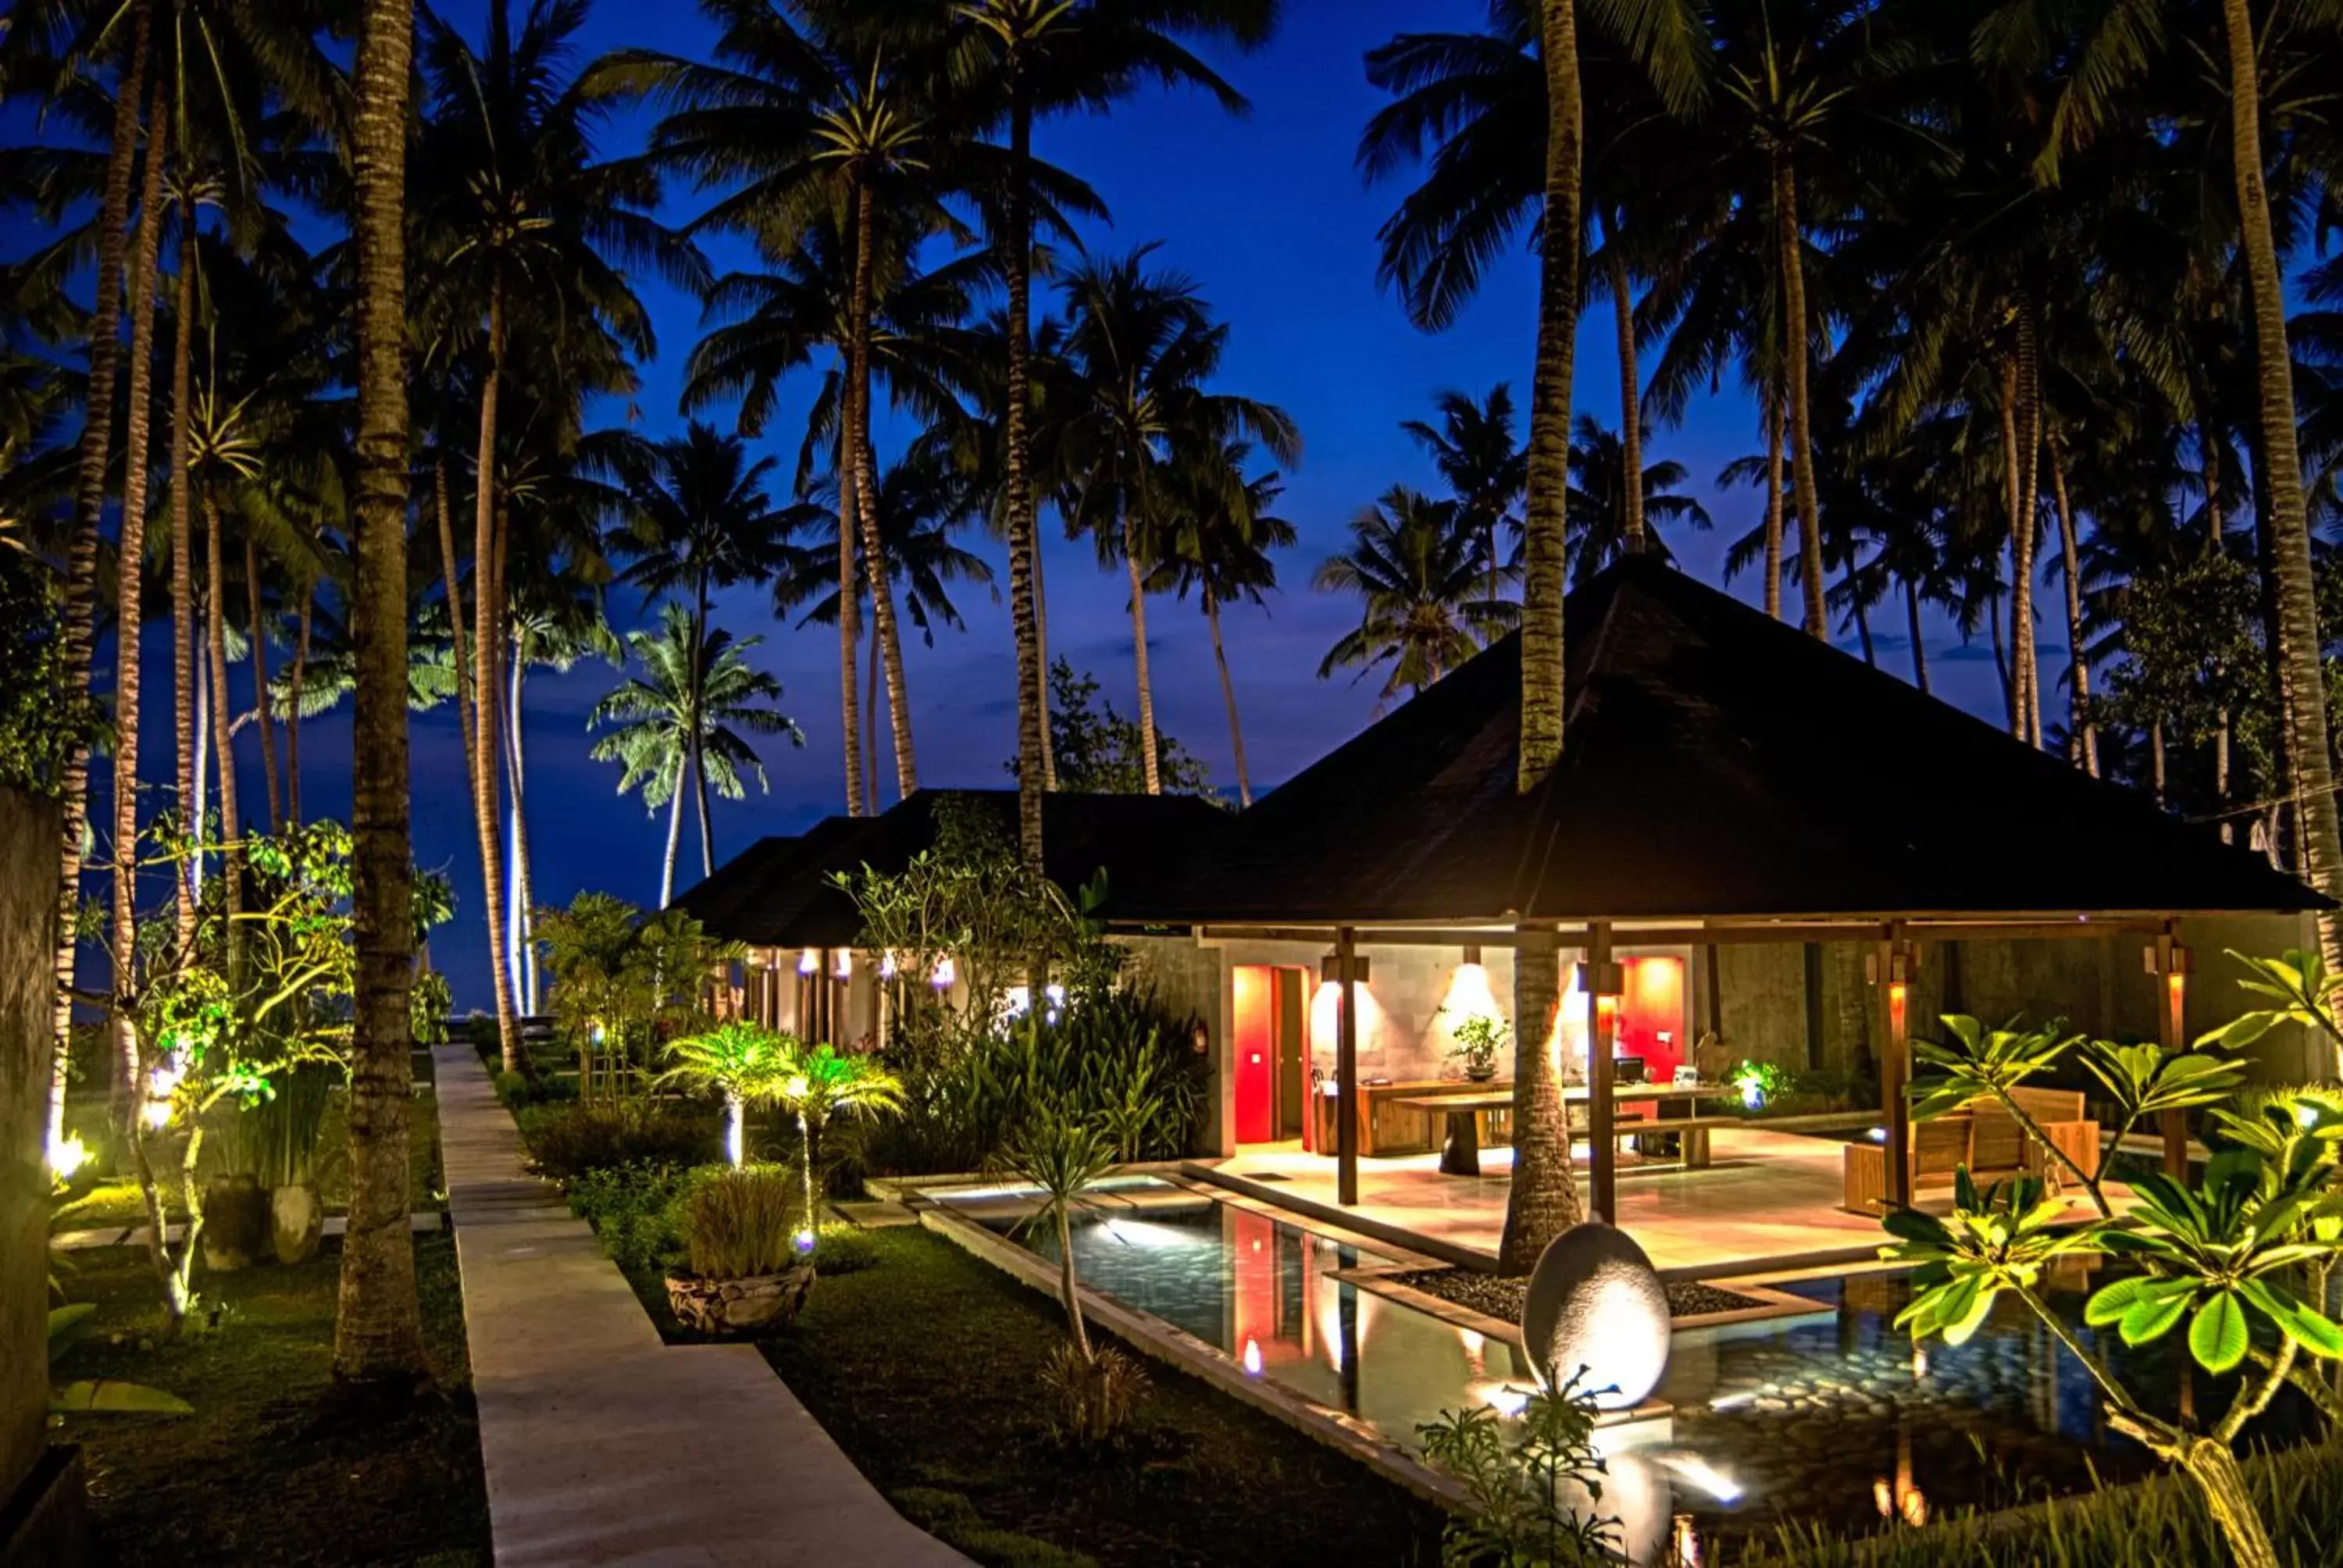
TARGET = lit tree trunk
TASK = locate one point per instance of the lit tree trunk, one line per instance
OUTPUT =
(870, 727)
(849, 634)
(199, 809)
(488, 620)
(263, 706)
(77, 654)
(2155, 760)
(130, 580)
(223, 732)
(1229, 695)
(1151, 764)
(2302, 692)
(1631, 397)
(2083, 731)
(377, 1329)
(1794, 326)
(296, 682)
(1541, 1200)
(2029, 504)
(2221, 772)
(183, 569)
(1775, 480)
(1912, 623)
(522, 907)
(674, 832)
(2021, 572)
(866, 484)
(1041, 658)
(1032, 697)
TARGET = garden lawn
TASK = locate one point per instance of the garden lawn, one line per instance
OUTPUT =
(926, 1365)
(267, 1471)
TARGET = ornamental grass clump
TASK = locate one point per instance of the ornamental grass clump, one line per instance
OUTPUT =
(742, 1224)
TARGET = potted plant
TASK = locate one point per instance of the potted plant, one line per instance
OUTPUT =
(281, 1135)
(1479, 1043)
(745, 1269)
(236, 1206)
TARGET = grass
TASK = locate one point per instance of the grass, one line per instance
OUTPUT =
(115, 1200)
(269, 1470)
(925, 1367)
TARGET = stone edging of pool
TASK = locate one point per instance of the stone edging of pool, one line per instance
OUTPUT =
(1214, 1365)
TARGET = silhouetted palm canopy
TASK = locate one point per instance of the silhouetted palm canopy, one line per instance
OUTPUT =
(1426, 602)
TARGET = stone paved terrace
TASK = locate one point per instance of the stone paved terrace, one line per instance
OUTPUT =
(604, 1445)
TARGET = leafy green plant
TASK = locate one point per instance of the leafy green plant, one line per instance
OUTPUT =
(1479, 1042)
(566, 1141)
(2305, 993)
(818, 1084)
(1760, 1082)
(639, 1211)
(1095, 1392)
(281, 1126)
(428, 1005)
(100, 1396)
(2221, 1256)
(742, 1222)
(745, 1063)
(1526, 1477)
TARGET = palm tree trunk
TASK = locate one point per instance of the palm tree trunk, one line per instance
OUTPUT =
(2029, 502)
(517, 913)
(2001, 661)
(77, 657)
(2302, 693)
(377, 1329)
(2155, 760)
(706, 821)
(1912, 624)
(1541, 1200)
(296, 681)
(674, 835)
(2221, 773)
(488, 623)
(130, 579)
(849, 634)
(223, 732)
(264, 707)
(696, 736)
(1024, 579)
(874, 548)
(1794, 343)
(1151, 764)
(1773, 482)
(1631, 397)
(1041, 646)
(1229, 695)
(1862, 613)
(2083, 731)
(183, 567)
(2021, 577)
(870, 726)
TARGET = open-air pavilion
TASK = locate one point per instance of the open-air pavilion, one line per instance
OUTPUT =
(1738, 802)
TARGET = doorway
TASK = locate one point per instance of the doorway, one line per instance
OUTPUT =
(1273, 1053)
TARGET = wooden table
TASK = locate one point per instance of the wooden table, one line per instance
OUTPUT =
(1459, 1152)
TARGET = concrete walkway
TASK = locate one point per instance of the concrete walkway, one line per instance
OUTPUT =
(603, 1444)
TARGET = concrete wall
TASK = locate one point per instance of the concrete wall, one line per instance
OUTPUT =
(28, 909)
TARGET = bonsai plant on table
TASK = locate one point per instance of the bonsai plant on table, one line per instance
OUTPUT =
(1480, 1043)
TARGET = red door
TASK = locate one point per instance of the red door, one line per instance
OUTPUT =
(1253, 1040)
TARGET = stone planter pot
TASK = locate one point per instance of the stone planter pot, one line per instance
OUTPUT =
(235, 1222)
(1481, 1073)
(297, 1219)
(740, 1306)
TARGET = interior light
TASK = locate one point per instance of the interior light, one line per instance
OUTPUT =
(1251, 1357)
(844, 968)
(887, 965)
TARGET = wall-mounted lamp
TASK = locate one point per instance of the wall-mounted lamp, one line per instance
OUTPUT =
(945, 973)
(1330, 969)
(842, 968)
(887, 965)
(1472, 954)
(809, 963)
(1606, 980)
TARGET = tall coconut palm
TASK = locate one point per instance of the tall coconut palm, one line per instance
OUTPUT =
(1484, 463)
(1140, 347)
(526, 226)
(377, 1326)
(1218, 544)
(1427, 607)
(695, 696)
(1027, 60)
(1604, 520)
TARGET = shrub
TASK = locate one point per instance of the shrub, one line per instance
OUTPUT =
(638, 1212)
(1092, 1391)
(566, 1141)
(845, 1250)
(742, 1222)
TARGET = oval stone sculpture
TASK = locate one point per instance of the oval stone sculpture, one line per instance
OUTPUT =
(1595, 1301)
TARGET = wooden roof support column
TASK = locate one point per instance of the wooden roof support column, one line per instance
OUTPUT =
(1891, 974)
(1346, 1069)
(1602, 986)
(2168, 962)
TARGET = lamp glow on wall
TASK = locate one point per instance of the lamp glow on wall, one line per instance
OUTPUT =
(1326, 1006)
(944, 974)
(809, 961)
(843, 967)
(1469, 995)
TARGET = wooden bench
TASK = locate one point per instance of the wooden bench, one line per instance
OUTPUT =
(1986, 1139)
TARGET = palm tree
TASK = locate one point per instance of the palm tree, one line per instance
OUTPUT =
(1603, 519)
(1486, 469)
(1427, 605)
(1028, 59)
(377, 1329)
(527, 233)
(1140, 346)
(745, 1063)
(1219, 540)
(695, 697)
(818, 1083)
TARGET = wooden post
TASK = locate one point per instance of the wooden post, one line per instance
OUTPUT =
(1603, 991)
(2168, 962)
(1346, 1069)
(1890, 973)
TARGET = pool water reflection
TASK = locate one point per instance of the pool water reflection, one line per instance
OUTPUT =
(1832, 1419)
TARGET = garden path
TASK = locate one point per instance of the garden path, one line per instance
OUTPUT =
(604, 1445)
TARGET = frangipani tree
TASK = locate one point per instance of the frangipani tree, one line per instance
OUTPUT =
(745, 1063)
(2246, 1247)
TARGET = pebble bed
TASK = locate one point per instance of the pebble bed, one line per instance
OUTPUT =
(1502, 1299)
